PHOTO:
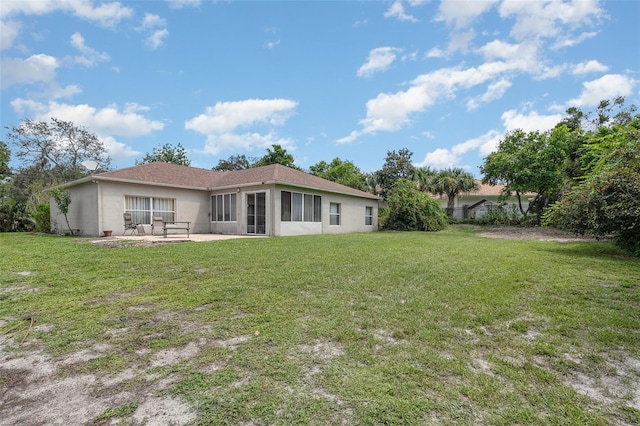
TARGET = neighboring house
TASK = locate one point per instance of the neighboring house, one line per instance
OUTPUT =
(269, 200)
(475, 204)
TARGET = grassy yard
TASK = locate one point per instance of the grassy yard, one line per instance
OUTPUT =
(382, 328)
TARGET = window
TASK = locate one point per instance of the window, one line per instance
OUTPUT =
(299, 207)
(296, 207)
(334, 214)
(142, 209)
(224, 208)
(368, 215)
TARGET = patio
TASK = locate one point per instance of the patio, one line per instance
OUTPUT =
(172, 238)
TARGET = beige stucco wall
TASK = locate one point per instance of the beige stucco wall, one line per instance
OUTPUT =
(239, 227)
(83, 211)
(352, 215)
(191, 205)
(99, 206)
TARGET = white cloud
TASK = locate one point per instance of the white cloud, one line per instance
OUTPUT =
(180, 4)
(390, 112)
(589, 67)
(380, 59)
(89, 56)
(222, 121)
(530, 122)
(494, 91)
(156, 39)
(117, 150)
(441, 158)
(460, 41)
(568, 41)
(436, 52)
(410, 56)
(397, 11)
(217, 143)
(485, 144)
(106, 122)
(106, 14)
(36, 68)
(459, 14)
(154, 26)
(350, 138)
(9, 30)
(606, 87)
(547, 18)
(151, 21)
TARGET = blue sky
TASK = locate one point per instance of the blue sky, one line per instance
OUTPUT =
(325, 79)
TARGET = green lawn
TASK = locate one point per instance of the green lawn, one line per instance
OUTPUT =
(381, 328)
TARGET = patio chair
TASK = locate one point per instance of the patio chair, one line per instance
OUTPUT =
(157, 225)
(128, 224)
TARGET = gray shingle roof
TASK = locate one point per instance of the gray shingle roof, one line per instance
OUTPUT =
(182, 176)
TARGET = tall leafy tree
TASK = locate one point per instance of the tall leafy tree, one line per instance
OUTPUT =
(342, 172)
(57, 149)
(607, 200)
(529, 162)
(277, 155)
(50, 153)
(234, 162)
(397, 165)
(451, 182)
(425, 177)
(5, 157)
(167, 154)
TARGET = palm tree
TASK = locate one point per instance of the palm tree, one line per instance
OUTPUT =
(451, 182)
(424, 178)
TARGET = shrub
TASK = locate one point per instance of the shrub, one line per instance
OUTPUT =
(42, 218)
(412, 210)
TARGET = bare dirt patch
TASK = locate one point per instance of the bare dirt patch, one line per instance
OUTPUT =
(37, 388)
(531, 233)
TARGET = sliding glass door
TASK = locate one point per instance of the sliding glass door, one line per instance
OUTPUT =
(256, 213)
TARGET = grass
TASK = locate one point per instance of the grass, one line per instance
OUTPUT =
(382, 328)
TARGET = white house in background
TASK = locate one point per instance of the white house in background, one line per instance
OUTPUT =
(476, 204)
(269, 200)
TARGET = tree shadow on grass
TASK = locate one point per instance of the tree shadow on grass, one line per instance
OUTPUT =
(597, 249)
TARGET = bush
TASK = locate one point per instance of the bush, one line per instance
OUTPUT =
(42, 218)
(607, 201)
(503, 215)
(412, 210)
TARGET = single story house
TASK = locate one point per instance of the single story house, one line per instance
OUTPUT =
(268, 200)
(475, 204)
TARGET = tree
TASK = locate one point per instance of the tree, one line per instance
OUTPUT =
(412, 210)
(57, 149)
(397, 165)
(607, 200)
(451, 182)
(167, 154)
(50, 153)
(529, 162)
(424, 178)
(235, 162)
(5, 156)
(63, 200)
(342, 172)
(276, 155)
